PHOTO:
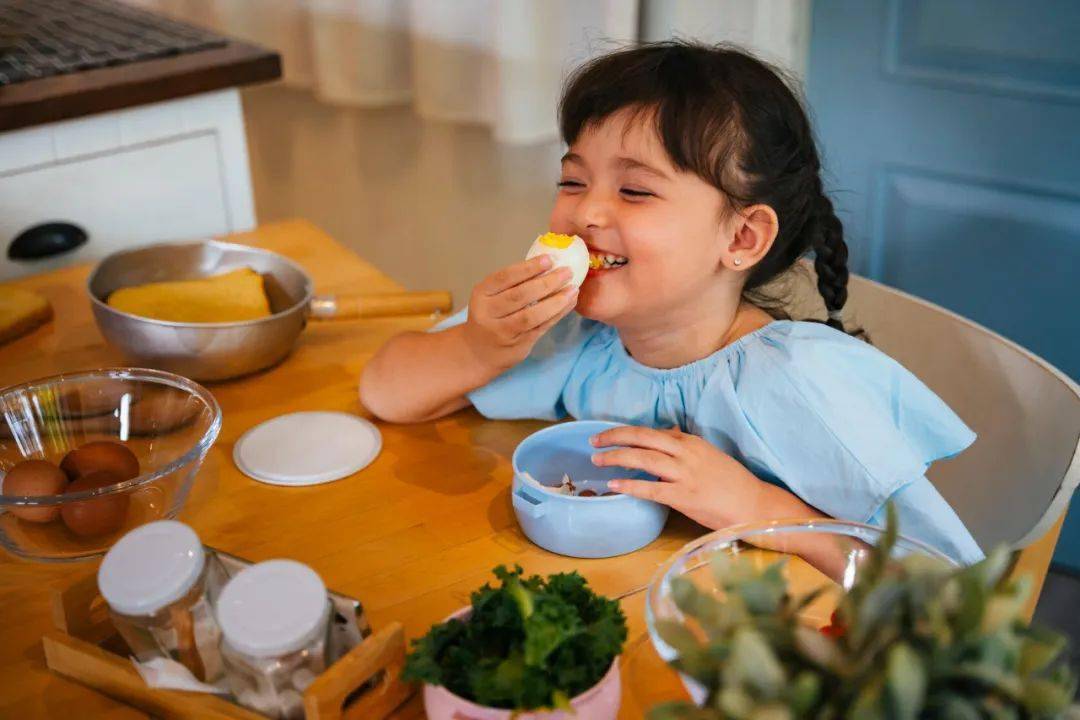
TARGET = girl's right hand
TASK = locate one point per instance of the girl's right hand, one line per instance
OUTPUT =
(511, 309)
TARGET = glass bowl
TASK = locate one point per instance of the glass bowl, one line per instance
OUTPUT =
(168, 422)
(820, 554)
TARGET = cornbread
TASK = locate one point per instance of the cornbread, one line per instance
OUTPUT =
(230, 297)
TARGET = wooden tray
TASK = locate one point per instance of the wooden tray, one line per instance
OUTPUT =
(86, 648)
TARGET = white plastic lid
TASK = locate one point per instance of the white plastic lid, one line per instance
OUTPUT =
(150, 567)
(273, 608)
(307, 448)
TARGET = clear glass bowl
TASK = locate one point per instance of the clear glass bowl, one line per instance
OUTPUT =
(827, 554)
(167, 421)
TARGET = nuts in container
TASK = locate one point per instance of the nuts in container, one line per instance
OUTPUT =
(274, 618)
(154, 580)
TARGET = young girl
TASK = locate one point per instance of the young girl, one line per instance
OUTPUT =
(692, 173)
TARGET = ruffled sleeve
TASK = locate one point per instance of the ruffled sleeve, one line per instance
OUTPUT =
(840, 423)
(534, 387)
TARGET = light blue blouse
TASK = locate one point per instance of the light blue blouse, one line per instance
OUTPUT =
(829, 417)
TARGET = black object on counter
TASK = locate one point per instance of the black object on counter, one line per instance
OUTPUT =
(46, 240)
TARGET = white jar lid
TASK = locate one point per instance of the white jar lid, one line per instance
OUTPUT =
(307, 448)
(150, 567)
(273, 608)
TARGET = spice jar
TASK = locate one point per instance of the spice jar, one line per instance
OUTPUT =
(154, 581)
(274, 618)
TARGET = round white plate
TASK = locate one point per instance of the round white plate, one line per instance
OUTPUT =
(307, 448)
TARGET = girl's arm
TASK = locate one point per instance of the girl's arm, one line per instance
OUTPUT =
(714, 489)
(416, 377)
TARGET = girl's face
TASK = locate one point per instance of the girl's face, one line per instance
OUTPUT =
(621, 194)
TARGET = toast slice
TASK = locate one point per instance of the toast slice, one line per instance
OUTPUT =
(20, 312)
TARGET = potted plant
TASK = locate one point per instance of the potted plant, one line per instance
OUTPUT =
(913, 637)
(529, 647)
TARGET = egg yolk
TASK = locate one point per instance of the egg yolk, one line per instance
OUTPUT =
(555, 240)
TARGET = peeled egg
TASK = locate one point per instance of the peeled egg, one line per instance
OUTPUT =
(98, 516)
(35, 478)
(565, 250)
(102, 455)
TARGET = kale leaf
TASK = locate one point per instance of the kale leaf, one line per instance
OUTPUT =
(529, 643)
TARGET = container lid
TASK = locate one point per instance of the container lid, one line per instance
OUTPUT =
(273, 608)
(150, 567)
(307, 448)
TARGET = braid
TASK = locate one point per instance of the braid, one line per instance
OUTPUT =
(830, 261)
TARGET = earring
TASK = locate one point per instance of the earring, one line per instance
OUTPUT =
(737, 262)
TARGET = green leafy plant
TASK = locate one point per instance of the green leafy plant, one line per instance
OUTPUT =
(913, 638)
(529, 643)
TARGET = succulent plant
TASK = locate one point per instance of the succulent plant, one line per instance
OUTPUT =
(912, 638)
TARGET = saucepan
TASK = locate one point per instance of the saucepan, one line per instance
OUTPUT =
(220, 351)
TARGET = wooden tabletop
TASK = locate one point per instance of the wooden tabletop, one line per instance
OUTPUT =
(410, 536)
(62, 97)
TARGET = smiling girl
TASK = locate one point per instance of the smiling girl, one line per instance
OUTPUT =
(693, 175)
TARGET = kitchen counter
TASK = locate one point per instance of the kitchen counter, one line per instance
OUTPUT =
(64, 97)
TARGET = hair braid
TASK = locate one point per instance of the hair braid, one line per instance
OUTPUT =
(830, 258)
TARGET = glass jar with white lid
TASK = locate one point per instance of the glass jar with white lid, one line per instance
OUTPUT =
(274, 617)
(154, 580)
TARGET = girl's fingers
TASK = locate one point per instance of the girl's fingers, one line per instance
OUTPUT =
(515, 274)
(653, 462)
(534, 334)
(533, 316)
(511, 300)
(642, 437)
(645, 489)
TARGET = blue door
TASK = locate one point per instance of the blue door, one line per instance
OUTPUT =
(951, 132)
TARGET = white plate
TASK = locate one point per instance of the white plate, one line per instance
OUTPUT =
(307, 448)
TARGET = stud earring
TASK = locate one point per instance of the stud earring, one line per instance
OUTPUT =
(737, 262)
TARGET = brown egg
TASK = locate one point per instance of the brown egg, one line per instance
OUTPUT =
(35, 478)
(98, 516)
(110, 457)
(587, 493)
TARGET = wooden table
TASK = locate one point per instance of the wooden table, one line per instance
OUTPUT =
(410, 536)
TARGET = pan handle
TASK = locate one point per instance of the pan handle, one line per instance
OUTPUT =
(352, 307)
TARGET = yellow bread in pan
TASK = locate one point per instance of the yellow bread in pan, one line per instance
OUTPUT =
(20, 312)
(229, 297)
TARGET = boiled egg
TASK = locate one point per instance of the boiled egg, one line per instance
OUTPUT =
(35, 478)
(100, 515)
(565, 251)
(102, 455)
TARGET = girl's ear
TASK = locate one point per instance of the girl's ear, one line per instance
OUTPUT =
(752, 234)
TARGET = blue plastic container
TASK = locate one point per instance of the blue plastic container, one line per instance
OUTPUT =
(585, 527)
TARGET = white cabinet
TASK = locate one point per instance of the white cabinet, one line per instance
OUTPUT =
(166, 171)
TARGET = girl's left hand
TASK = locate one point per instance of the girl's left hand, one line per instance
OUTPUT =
(696, 478)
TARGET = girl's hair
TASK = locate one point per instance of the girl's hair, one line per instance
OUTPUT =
(730, 119)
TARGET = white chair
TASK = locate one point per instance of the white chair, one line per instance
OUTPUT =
(1014, 484)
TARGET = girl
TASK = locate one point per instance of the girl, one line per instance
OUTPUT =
(693, 174)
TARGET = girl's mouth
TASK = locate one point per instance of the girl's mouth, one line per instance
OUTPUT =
(599, 262)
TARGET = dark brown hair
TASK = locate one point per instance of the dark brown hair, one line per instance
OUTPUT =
(729, 118)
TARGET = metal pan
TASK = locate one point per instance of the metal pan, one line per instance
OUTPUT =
(220, 351)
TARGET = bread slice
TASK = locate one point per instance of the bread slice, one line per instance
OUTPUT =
(229, 297)
(20, 312)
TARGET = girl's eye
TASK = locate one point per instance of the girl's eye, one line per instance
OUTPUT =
(571, 184)
(631, 192)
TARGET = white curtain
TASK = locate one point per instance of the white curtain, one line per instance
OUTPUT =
(497, 62)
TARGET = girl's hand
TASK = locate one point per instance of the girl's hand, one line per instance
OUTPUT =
(714, 489)
(511, 309)
(696, 478)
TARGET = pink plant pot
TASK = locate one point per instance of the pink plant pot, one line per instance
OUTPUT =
(600, 702)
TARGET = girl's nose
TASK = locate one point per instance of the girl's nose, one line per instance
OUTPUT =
(592, 211)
